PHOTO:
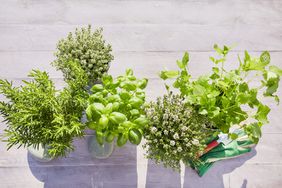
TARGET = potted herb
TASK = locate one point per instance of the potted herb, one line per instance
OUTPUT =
(226, 99)
(115, 109)
(87, 48)
(40, 117)
(175, 131)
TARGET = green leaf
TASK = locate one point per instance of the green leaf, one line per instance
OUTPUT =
(97, 107)
(262, 113)
(203, 112)
(275, 70)
(89, 113)
(117, 117)
(92, 125)
(97, 87)
(272, 83)
(103, 122)
(199, 90)
(124, 95)
(100, 137)
(265, 58)
(243, 98)
(108, 109)
(129, 72)
(142, 83)
(134, 112)
(233, 136)
(142, 121)
(122, 139)
(135, 136)
(107, 79)
(168, 74)
(217, 49)
(180, 64)
(135, 102)
(254, 131)
(113, 98)
(115, 106)
(110, 137)
(128, 85)
(185, 59)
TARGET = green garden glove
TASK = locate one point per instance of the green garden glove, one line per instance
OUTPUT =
(233, 149)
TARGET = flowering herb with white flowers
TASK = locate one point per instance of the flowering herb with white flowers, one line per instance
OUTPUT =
(116, 109)
(86, 47)
(175, 131)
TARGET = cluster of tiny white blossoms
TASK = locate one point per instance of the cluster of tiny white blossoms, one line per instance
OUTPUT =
(175, 132)
(86, 47)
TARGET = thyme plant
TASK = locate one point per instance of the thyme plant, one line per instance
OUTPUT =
(87, 48)
(176, 131)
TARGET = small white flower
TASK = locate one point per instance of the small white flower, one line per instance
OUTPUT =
(179, 149)
(165, 132)
(184, 128)
(154, 129)
(188, 144)
(172, 143)
(176, 136)
(195, 142)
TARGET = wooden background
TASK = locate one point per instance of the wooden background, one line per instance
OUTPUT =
(147, 36)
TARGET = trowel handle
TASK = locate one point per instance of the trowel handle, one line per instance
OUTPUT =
(211, 145)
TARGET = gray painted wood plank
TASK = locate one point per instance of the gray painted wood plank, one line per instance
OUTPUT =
(256, 176)
(268, 151)
(15, 65)
(148, 37)
(201, 12)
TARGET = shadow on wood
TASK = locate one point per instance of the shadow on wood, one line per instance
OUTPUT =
(214, 178)
(159, 176)
(78, 169)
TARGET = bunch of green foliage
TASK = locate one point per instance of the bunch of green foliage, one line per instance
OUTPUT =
(116, 109)
(176, 131)
(86, 47)
(226, 97)
(36, 114)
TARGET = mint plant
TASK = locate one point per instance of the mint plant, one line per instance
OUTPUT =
(87, 48)
(115, 109)
(37, 114)
(226, 97)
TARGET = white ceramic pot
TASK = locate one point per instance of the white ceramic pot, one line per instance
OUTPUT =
(40, 154)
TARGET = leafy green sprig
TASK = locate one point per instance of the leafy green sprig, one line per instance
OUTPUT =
(87, 48)
(226, 97)
(116, 109)
(36, 114)
(176, 131)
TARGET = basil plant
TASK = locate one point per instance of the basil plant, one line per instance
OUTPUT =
(115, 109)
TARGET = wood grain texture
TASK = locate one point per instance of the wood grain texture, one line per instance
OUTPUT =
(147, 36)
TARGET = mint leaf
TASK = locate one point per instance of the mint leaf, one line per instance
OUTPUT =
(185, 59)
(265, 58)
(262, 113)
(168, 74)
(275, 70)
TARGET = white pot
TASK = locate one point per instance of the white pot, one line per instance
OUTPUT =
(40, 154)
